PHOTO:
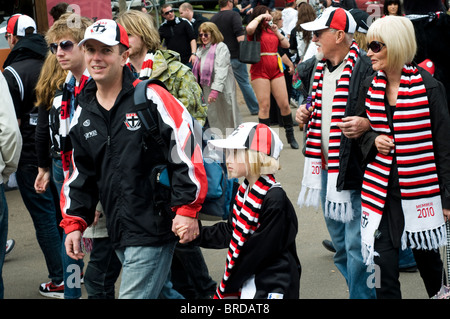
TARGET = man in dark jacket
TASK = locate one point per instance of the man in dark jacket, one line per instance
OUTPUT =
(113, 159)
(21, 70)
(178, 35)
(333, 33)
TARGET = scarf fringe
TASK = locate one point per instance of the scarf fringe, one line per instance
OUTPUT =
(309, 197)
(341, 212)
(368, 253)
(426, 239)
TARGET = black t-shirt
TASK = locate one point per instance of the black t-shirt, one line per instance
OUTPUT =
(229, 23)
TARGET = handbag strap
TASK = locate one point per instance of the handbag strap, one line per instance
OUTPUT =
(245, 36)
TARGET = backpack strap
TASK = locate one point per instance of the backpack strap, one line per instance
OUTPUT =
(143, 109)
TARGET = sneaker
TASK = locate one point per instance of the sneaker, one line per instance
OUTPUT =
(9, 245)
(51, 290)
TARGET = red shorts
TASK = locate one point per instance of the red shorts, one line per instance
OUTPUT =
(266, 68)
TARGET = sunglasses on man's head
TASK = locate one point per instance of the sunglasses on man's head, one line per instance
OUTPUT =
(167, 12)
(64, 45)
(376, 46)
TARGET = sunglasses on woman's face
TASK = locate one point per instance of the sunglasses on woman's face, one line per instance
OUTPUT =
(64, 45)
(203, 35)
(376, 46)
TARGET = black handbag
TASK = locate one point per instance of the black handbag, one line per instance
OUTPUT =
(249, 51)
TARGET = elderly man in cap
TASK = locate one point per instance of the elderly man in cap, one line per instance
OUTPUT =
(332, 173)
(114, 157)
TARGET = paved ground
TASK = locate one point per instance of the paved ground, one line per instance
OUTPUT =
(24, 268)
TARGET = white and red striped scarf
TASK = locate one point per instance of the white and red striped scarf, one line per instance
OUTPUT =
(146, 67)
(67, 110)
(337, 204)
(419, 187)
(245, 220)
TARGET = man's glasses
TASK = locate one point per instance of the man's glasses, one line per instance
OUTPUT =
(317, 33)
(203, 35)
(376, 46)
(7, 35)
(64, 45)
(167, 12)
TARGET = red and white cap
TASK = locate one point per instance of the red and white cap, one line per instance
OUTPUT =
(254, 136)
(18, 23)
(106, 31)
(334, 18)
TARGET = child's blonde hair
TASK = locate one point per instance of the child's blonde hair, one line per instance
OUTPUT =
(261, 164)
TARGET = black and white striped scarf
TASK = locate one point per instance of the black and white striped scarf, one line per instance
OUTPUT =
(245, 221)
(419, 187)
(338, 204)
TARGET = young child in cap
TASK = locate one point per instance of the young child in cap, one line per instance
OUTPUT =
(260, 233)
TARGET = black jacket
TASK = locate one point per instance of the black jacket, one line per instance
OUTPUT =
(113, 160)
(22, 68)
(351, 168)
(269, 254)
(177, 36)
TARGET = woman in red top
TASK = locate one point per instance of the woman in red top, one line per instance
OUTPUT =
(268, 75)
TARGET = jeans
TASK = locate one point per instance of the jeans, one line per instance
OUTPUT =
(241, 76)
(102, 270)
(145, 270)
(3, 234)
(43, 213)
(72, 288)
(346, 238)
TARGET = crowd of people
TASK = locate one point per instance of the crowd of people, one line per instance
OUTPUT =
(375, 134)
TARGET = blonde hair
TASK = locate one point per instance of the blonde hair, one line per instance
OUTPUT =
(69, 24)
(51, 78)
(216, 35)
(261, 164)
(361, 40)
(276, 16)
(397, 33)
(141, 24)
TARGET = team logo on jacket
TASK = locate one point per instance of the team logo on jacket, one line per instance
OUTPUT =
(132, 121)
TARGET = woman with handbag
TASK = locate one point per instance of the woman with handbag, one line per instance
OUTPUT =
(267, 75)
(405, 199)
(215, 75)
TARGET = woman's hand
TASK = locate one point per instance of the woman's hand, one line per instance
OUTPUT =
(384, 144)
(446, 215)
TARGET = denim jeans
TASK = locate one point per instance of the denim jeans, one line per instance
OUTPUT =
(346, 238)
(43, 213)
(145, 270)
(241, 76)
(72, 288)
(3, 234)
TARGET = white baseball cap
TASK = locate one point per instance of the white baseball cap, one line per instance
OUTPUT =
(18, 23)
(106, 31)
(334, 18)
(254, 136)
